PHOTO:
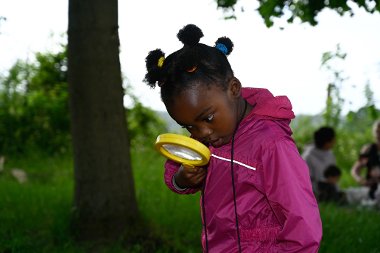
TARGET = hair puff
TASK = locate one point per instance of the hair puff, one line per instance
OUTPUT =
(190, 35)
(154, 70)
(227, 43)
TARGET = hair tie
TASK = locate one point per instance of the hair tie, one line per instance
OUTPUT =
(161, 61)
(222, 48)
(192, 69)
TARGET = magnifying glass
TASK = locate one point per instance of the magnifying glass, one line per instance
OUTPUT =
(183, 149)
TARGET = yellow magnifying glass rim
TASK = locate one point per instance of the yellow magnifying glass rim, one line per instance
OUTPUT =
(185, 142)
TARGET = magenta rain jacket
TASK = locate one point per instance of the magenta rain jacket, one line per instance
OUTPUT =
(276, 208)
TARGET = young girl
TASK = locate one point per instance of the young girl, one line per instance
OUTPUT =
(256, 190)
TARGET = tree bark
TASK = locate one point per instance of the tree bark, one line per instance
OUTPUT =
(104, 197)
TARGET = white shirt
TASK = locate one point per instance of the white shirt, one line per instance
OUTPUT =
(317, 160)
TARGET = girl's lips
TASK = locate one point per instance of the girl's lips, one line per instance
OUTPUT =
(217, 143)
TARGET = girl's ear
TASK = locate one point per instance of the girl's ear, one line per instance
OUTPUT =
(235, 87)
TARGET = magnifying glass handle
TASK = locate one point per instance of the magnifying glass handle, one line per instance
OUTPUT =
(189, 166)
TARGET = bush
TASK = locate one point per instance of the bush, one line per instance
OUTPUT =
(34, 109)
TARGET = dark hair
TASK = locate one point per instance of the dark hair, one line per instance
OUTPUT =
(332, 171)
(195, 63)
(323, 135)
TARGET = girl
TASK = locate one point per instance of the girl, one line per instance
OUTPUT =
(256, 190)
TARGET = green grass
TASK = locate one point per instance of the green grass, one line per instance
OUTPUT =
(176, 216)
(35, 216)
(350, 229)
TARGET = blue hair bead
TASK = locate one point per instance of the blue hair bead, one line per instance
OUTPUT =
(222, 48)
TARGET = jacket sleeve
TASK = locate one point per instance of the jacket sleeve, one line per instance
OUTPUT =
(289, 192)
(171, 168)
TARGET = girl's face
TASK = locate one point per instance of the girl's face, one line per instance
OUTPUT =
(209, 113)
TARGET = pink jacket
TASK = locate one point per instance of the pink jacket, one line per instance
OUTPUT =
(277, 211)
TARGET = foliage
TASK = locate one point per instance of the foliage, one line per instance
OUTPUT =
(303, 126)
(33, 105)
(306, 11)
(334, 100)
(354, 131)
(143, 126)
(349, 128)
(35, 111)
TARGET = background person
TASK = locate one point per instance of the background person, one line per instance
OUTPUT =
(369, 159)
(319, 155)
(328, 189)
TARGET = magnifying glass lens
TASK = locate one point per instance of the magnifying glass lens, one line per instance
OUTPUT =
(182, 152)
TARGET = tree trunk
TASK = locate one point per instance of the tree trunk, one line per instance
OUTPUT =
(104, 199)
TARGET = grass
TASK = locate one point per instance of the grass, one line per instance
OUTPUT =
(175, 217)
(349, 229)
(35, 216)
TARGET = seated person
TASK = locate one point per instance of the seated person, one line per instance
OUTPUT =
(319, 155)
(369, 159)
(328, 189)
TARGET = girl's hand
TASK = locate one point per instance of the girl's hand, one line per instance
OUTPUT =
(190, 177)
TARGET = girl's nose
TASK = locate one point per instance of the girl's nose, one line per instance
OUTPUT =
(205, 133)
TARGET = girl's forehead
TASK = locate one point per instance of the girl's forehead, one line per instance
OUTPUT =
(194, 101)
(191, 99)
(199, 95)
(192, 96)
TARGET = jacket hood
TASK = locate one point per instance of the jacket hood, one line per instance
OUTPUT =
(265, 104)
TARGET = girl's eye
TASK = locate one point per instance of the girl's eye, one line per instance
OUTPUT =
(209, 118)
(187, 127)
